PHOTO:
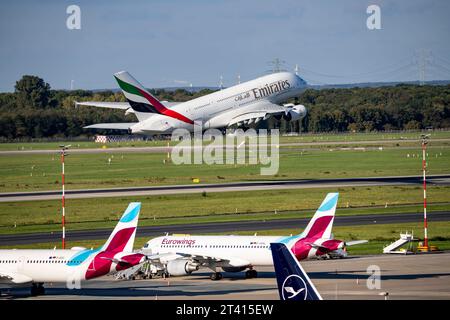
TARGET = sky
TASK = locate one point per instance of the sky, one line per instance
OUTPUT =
(176, 43)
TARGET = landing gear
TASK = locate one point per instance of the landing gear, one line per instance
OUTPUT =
(251, 274)
(216, 276)
(37, 289)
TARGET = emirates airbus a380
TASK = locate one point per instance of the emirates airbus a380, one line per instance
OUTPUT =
(241, 105)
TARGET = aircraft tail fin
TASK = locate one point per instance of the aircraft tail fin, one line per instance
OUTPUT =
(122, 238)
(141, 101)
(321, 224)
(293, 282)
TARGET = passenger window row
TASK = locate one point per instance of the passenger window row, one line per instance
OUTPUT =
(215, 246)
(40, 261)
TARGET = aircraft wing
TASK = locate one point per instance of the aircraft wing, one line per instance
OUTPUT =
(256, 112)
(12, 278)
(204, 259)
(111, 126)
(201, 258)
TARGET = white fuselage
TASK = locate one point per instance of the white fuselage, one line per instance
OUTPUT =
(40, 266)
(43, 265)
(241, 250)
(216, 110)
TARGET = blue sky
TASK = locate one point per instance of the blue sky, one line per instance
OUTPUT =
(163, 43)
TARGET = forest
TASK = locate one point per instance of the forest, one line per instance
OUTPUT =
(34, 110)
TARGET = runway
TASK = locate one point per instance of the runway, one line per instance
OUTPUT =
(420, 277)
(221, 227)
(226, 187)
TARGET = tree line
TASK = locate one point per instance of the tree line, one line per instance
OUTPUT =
(34, 110)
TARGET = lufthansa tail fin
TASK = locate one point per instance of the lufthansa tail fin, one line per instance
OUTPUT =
(122, 238)
(293, 282)
(321, 223)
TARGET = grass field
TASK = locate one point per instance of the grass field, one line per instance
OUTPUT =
(42, 172)
(378, 235)
(40, 216)
(317, 137)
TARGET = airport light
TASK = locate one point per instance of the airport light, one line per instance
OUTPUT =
(63, 200)
(424, 138)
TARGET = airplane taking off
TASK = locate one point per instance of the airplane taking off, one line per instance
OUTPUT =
(293, 282)
(182, 254)
(19, 268)
(243, 104)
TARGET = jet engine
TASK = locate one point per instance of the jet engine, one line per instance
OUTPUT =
(294, 112)
(233, 269)
(181, 267)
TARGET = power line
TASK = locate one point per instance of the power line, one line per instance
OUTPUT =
(423, 59)
(277, 64)
(385, 74)
(442, 59)
(368, 73)
(440, 66)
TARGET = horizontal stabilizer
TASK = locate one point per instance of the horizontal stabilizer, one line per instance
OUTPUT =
(102, 104)
(355, 242)
(112, 126)
(117, 105)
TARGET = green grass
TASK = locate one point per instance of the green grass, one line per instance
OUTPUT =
(364, 136)
(42, 172)
(378, 236)
(22, 146)
(40, 216)
(316, 137)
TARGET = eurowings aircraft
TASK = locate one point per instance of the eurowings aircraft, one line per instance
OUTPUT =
(20, 268)
(182, 254)
(293, 282)
(243, 104)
